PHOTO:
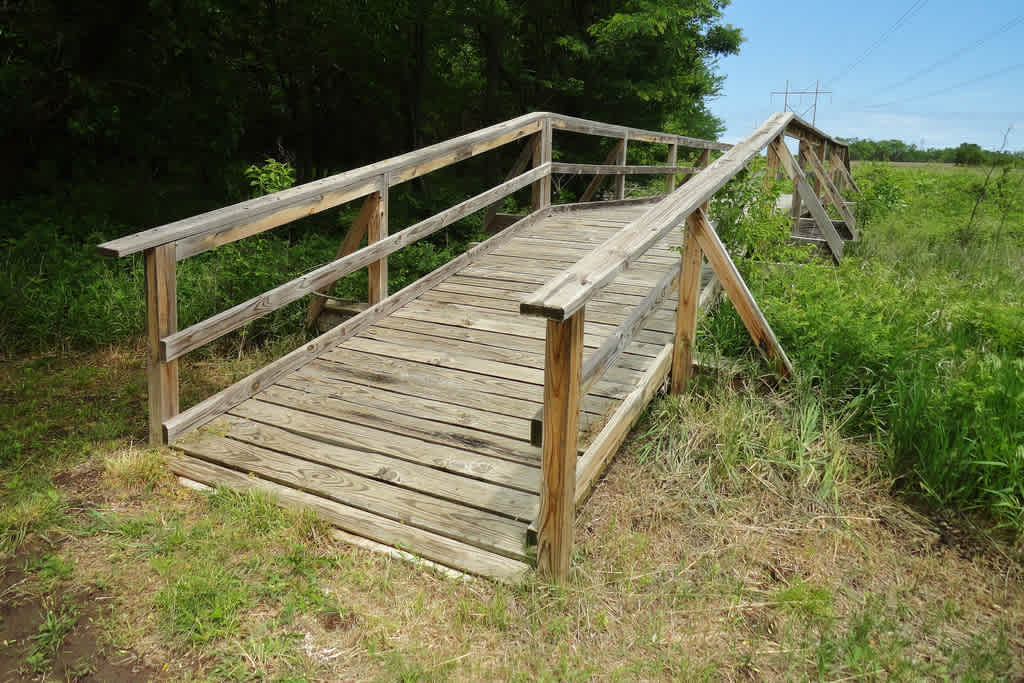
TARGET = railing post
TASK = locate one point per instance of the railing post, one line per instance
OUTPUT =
(795, 209)
(703, 162)
(771, 167)
(541, 190)
(376, 230)
(620, 180)
(161, 320)
(686, 311)
(670, 180)
(563, 360)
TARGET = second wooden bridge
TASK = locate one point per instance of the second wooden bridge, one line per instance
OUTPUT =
(464, 417)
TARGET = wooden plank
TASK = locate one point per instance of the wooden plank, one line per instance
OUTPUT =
(435, 547)
(686, 313)
(670, 179)
(512, 503)
(243, 389)
(807, 195)
(540, 191)
(578, 125)
(377, 230)
(598, 180)
(771, 167)
(620, 180)
(353, 238)
(607, 442)
(736, 289)
(563, 360)
(494, 445)
(834, 197)
(565, 294)
(180, 343)
(563, 168)
(282, 207)
(520, 164)
(161, 320)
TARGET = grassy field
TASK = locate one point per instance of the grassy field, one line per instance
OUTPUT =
(860, 523)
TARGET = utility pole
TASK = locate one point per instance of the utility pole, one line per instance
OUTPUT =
(816, 92)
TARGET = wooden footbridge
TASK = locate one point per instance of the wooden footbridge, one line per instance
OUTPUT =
(463, 418)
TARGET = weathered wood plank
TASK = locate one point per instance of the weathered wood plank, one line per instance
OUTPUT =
(353, 238)
(432, 546)
(670, 179)
(686, 313)
(520, 164)
(512, 503)
(241, 390)
(736, 289)
(161, 320)
(598, 180)
(377, 230)
(620, 180)
(565, 294)
(808, 197)
(282, 207)
(563, 168)
(563, 360)
(180, 343)
(540, 191)
(578, 125)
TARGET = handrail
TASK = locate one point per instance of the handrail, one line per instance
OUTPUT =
(609, 130)
(565, 294)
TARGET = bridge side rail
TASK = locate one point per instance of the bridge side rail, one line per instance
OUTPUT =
(562, 302)
(165, 245)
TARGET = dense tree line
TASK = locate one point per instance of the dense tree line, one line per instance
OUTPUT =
(179, 91)
(965, 154)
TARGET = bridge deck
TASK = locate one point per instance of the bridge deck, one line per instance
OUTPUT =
(415, 433)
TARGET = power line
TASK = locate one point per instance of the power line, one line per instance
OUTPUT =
(955, 86)
(817, 91)
(914, 8)
(956, 54)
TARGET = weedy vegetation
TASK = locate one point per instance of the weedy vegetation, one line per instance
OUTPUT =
(860, 522)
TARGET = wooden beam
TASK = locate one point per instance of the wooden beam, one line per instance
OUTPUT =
(577, 125)
(834, 197)
(771, 167)
(377, 230)
(161, 320)
(521, 162)
(686, 312)
(353, 238)
(563, 360)
(835, 242)
(620, 180)
(179, 343)
(598, 180)
(541, 190)
(670, 179)
(560, 167)
(566, 293)
(278, 208)
(736, 289)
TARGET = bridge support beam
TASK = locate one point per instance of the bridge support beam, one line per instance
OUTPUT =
(161, 320)
(686, 312)
(376, 230)
(563, 362)
(541, 190)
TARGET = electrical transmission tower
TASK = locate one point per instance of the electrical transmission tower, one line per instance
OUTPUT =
(814, 108)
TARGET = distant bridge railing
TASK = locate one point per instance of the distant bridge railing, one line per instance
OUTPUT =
(165, 245)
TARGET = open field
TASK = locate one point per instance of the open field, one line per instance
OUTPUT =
(859, 523)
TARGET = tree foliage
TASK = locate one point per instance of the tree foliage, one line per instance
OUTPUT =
(184, 90)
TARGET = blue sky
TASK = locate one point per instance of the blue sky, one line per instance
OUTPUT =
(892, 67)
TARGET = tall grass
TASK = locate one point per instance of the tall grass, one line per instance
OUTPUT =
(918, 337)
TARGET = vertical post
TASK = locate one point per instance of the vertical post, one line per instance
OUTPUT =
(795, 209)
(541, 189)
(703, 161)
(620, 180)
(161, 320)
(563, 361)
(771, 167)
(686, 312)
(670, 180)
(376, 230)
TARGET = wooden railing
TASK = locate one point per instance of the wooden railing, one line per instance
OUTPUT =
(164, 246)
(562, 301)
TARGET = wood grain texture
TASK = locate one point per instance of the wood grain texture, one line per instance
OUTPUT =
(563, 361)
(736, 289)
(620, 180)
(569, 291)
(578, 125)
(686, 313)
(540, 191)
(161, 320)
(376, 231)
